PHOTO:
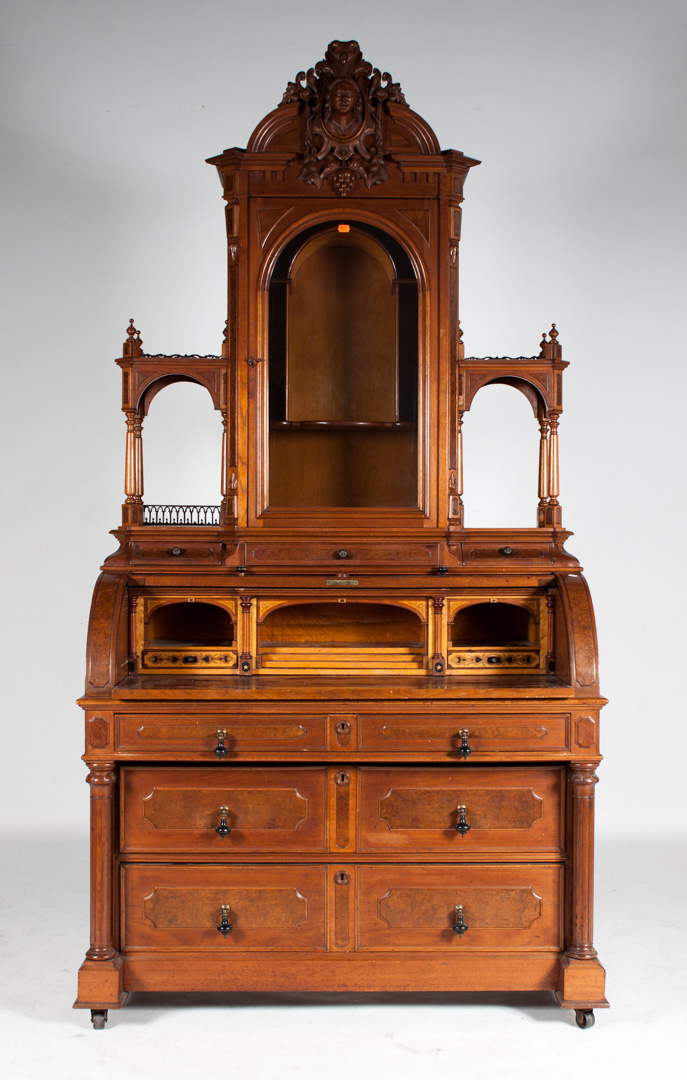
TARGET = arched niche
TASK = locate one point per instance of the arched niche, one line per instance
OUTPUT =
(182, 442)
(343, 377)
(181, 623)
(330, 623)
(484, 625)
(501, 456)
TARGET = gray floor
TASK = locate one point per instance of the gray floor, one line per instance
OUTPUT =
(641, 937)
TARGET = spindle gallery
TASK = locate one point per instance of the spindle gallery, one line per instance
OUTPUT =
(336, 740)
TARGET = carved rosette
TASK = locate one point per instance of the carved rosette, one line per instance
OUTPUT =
(342, 98)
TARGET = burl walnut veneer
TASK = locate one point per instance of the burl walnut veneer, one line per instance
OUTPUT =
(336, 740)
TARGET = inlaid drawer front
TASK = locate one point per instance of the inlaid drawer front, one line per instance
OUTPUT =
(179, 659)
(342, 553)
(461, 810)
(223, 809)
(485, 734)
(228, 908)
(189, 553)
(460, 907)
(151, 732)
(504, 553)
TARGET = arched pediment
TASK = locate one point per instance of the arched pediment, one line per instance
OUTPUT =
(345, 120)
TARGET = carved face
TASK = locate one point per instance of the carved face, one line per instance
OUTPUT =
(344, 98)
(343, 110)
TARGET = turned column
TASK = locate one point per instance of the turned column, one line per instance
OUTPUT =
(133, 636)
(583, 780)
(138, 457)
(229, 484)
(101, 779)
(553, 510)
(438, 661)
(543, 471)
(133, 469)
(246, 657)
(459, 469)
(224, 489)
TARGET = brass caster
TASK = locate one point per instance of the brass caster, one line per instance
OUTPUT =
(98, 1018)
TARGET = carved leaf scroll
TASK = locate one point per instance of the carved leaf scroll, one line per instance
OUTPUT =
(342, 99)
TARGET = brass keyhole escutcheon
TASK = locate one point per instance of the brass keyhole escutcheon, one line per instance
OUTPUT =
(343, 778)
(343, 727)
(341, 877)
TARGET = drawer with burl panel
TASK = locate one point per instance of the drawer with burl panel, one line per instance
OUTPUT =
(223, 811)
(509, 907)
(462, 811)
(209, 908)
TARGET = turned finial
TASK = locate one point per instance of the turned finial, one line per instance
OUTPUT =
(133, 346)
(550, 349)
(555, 349)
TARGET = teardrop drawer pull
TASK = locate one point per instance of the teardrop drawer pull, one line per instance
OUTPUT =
(220, 749)
(460, 926)
(225, 926)
(464, 749)
(462, 825)
(223, 829)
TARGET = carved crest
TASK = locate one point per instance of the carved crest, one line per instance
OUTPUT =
(342, 97)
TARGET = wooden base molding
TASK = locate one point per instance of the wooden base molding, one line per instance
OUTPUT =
(101, 985)
(582, 986)
(487, 972)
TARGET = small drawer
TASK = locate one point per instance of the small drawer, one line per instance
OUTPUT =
(503, 907)
(189, 660)
(175, 908)
(506, 553)
(339, 556)
(151, 733)
(460, 811)
(483, 734)
(222, 810)
(176, 553)
(490, 660)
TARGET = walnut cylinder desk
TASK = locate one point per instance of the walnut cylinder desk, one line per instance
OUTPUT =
(335, 739)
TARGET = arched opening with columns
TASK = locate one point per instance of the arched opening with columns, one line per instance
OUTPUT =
(183, 452)
(502, 456)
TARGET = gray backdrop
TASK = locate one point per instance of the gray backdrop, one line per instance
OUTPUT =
(575, 216)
